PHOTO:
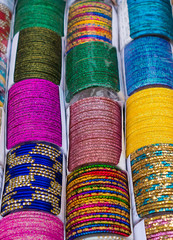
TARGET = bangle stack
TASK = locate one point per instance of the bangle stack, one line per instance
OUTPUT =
(97, 202)
(89, 48)
(5, 23)
(159, 227)
(149, 118)
(46, 14)
(33, 178)
(152, 178)
(150, 18)
(33, 113)
(38, 55)
(31, 225)
(89, 21)
(32, 207)
(148, 63)
(95, 132)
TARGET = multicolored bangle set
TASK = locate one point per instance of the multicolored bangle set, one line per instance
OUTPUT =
(97, 192)
(31, 202)
(97, 201)
(89, 48)
(89, 21)
(148, 62)
(109, 237)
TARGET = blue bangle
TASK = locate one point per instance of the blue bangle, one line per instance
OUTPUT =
(34, 176)
(148, 62)
(150, 17)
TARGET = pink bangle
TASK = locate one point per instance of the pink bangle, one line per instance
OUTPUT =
(31, 225)
(95, 132)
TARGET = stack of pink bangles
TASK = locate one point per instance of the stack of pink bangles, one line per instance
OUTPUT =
(31, 225)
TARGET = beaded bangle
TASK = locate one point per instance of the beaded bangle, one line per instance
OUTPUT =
(159, 227)
(33, 113)
(101, 210)
(148, 61)
(152, 181)
(31, 224)
(90, 137)
(149, 115)
(47, 14)
(38, 55)
(150, 18)
(33, 178)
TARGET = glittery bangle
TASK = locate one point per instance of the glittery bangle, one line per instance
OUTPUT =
(154, 56)
(38, 55)
(33, 113)
(90, 68)
(48, 14)
(152, 181)
(84, 14)
(150, 18)
(90, 144)
(31, 183)
(159, 227)
(94, 211)
(138, 118)
(32, 224)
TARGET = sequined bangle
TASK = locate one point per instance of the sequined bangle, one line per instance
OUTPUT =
(150, 18)
(33, 178)
(34, 113)
(101, 209)
(159, 227)
(148, 115)
(152, 179)
(31, 224)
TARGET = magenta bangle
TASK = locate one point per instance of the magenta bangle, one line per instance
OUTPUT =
(31, 225)
(33, 113)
